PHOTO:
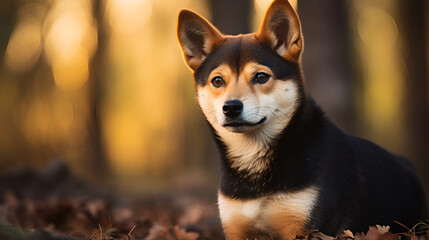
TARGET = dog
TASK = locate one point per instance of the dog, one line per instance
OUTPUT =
(285, 168)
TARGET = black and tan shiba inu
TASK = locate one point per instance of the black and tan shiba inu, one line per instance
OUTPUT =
(286, 169)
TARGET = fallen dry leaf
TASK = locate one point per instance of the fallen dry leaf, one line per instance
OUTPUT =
(347, 234)
(181, 234)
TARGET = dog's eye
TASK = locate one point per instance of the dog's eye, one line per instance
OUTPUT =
(217, 82)
(261, 78)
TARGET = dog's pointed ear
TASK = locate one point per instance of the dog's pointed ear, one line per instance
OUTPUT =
(281, 30)
(197, 38)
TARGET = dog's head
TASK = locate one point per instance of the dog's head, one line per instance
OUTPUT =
(249, 82)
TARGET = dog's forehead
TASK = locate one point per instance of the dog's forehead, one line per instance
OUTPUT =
(237, 51)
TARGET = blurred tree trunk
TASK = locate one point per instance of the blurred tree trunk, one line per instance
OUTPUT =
(414, 29)
(98, 163)
(231, 17)
(327, 58)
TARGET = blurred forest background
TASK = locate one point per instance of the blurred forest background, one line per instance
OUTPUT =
(101, 84)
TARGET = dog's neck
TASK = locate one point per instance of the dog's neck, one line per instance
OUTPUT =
(250, 153)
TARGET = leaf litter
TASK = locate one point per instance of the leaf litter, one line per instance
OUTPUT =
(55, 205)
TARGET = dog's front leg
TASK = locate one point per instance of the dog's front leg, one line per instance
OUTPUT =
(236, 225)
(285, 226)
(236, 230)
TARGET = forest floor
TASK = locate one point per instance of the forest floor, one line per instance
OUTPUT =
(55, 205)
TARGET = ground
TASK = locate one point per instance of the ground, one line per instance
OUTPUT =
(55, 205)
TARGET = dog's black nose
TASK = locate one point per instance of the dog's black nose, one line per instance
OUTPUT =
(232, 108)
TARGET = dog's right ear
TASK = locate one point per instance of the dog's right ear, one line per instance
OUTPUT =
(197, 38)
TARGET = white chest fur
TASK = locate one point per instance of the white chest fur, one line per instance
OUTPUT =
(281, 215)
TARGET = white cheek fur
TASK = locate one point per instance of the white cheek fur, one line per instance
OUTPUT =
(210, 106)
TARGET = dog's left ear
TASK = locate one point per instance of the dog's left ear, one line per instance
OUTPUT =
(197, 38)
(281, 30)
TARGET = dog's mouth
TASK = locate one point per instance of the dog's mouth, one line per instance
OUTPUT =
(242, 126)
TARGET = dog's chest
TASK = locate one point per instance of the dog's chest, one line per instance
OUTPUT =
(282, 214)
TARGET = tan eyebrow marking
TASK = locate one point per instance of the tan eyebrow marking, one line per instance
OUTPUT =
(223, 70)
(252, 68)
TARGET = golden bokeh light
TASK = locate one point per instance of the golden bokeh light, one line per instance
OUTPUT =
(128, 17)
(125, 142)
(143, 120)
(71, 40)
(261, 6)
(383, 71)
(377, 28)
(24, 47)
(38, 121)
(63, 113)
(71, 73)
